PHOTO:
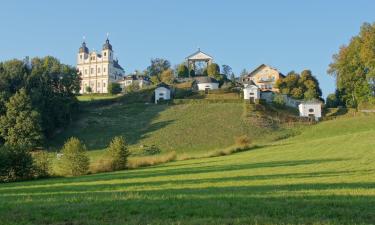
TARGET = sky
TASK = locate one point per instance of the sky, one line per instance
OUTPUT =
(287, 35)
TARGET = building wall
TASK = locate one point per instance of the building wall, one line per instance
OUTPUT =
(265, 78)
(211, 86)
(162, 93)
(304, 110)
(251, 91)
(97, 71)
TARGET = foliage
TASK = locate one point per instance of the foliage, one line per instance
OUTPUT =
(20, 126)
(114, 88)
(158, 65)
(50, 85)
(134, 86)
(118, 153)
(15, 164)
(213, 70)
(354, 67)
(182, 71)
(167, 76)
(41, 164)
(226, 70)
(243, 141)
(74, 160)
(192, 73)
(278, 100)
(88, 89)
(304, 86)
(151, 150)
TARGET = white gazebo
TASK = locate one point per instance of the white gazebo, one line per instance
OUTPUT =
(162, 92)
(198, 57)
(310, 109)
(251, 92)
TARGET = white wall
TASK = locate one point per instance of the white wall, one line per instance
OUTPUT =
(307, 109)
(251, 91)
(211, 86)
(162, 93)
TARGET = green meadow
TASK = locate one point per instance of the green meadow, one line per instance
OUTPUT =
(324, 175)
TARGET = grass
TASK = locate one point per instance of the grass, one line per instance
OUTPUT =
(93, 97)
(184, 128)
(323, 176)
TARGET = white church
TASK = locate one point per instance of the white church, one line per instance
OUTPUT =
(98, 70)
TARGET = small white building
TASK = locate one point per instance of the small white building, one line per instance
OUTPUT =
(205, 83)
(162, 92)
(310, 109)
(251, 92)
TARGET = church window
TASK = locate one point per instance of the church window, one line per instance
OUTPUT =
(105, 54)
(80, 56)
(98, 70)
(92, 70)
(104, 85)
(85, 71)
(98, 85)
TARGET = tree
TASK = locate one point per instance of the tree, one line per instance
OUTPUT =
(227, 70)
(192, 73)
(74, 160)
(182, 71)
(354, 68)
(15, 164)
(88, 89)
(118, 153)
(20, 126)
(213, 69)
(304, 86)
(167, 76)
(157, 66)
(244, 73)
(114, 88)
(233, 78)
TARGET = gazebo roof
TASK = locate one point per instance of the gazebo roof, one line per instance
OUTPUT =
(199, 55)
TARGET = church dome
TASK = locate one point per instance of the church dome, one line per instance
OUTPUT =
(107, 45)
(83, 48)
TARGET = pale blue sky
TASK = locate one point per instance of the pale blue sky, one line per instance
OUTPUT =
(288, 35)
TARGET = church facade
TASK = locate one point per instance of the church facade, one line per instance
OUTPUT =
(98, 70)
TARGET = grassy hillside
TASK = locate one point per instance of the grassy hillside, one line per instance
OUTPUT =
(323, 176)
(184, 128)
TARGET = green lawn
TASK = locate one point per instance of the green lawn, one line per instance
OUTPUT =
(184, 128)
(93, 97)
(323, 176)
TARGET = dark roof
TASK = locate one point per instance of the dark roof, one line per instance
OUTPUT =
(107, 45)
(116, 65)
(83, 48)
(162, 84)
(205, 79)
(250, 82)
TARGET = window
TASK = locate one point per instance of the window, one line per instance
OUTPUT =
(104, 70)
(92, 70)
(98, 85)
(311, 110)
(251, 93)
(161, 94)
(98, 70)
(105, 54)
(80, 56)
(85, 71)
(104, 85)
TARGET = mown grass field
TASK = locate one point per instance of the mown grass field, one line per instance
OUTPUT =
(323, 176)
(192, 129)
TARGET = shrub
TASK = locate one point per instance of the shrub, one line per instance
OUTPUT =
(74, 160)
(243, 141)
(42, 164)
(102, 165)
(151, 150)
(15, 164)
(151, 160)
(114, 88)
(88, 89)
(278, 101)
(118, 153)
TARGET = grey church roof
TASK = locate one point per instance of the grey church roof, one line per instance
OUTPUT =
(117, 65)
(107, 45)
(83, 48)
